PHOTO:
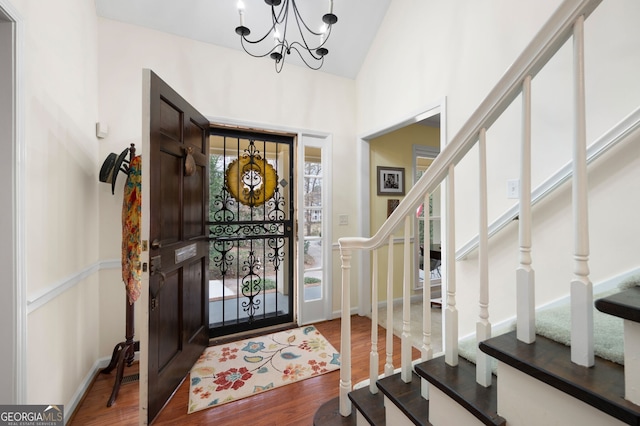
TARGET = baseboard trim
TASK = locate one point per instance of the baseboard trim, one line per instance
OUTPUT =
(71, 406)
(75, 401)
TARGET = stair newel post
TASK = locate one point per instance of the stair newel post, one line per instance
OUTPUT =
(525, 276)
(483, 326)
(426, 349)
(405, 354)
(345, 334)
(373, 356)
(450, 312)
(388, 366)
(581, 287)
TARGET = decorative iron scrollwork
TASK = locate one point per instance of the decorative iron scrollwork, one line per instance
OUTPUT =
(251, 285)
(250, 179)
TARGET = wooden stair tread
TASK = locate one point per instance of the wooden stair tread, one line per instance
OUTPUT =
(407, 397)
(329, 415)
(370, 405)
(459, 383)
(625, 304)
(601, 386)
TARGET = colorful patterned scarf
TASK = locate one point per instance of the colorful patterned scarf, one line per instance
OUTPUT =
(131, 215)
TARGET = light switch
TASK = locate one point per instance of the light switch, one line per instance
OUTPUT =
(513, 188)
(343, 220)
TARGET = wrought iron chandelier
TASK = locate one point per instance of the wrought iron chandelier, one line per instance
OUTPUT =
(312, 56)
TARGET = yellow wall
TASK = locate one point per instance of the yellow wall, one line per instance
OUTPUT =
(394, 149)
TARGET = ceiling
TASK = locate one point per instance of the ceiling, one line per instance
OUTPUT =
(214, 21)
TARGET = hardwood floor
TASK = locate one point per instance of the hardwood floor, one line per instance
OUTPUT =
(293, 404)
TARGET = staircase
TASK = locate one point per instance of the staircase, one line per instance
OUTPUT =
(538, 381)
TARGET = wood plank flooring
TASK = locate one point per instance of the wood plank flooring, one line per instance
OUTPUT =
(293, 404)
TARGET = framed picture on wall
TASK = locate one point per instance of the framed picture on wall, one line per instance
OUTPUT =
(392, 204)
(390, 180)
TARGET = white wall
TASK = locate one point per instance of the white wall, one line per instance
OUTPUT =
(427, 50)
(59, 111)
(221, 83)
(8, 306)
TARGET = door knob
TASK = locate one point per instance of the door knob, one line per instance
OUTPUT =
(156, 244)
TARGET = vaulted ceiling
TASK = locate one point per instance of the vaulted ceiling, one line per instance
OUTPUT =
(214, 21)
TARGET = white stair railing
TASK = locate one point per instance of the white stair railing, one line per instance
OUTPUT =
(515, 81)
(388, 366)
(450, 311)
(525, 276)
(581, 287)
(426, 349)
(405, 359)
(483, 326)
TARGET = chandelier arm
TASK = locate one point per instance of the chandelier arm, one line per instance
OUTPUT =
(279, 65)
(280, 17)
(321, 59)
(304, 43)
(254, 55)
(244, 38)
(310, 51)
(299, 18)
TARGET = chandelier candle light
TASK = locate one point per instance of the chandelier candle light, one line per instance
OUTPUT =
(313, 57)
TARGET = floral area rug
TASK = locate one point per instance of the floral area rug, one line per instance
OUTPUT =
(240, 369)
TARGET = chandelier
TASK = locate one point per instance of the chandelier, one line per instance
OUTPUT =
(309, 46)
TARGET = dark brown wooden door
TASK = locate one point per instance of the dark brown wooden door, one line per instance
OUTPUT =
(178, 252)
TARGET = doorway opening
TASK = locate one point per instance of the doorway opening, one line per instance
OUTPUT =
(251, 230)
(384, 145)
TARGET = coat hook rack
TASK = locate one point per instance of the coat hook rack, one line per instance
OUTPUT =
(123, 352)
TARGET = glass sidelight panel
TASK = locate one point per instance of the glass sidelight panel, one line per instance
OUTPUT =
(313, 262)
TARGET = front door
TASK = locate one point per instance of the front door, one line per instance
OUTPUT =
(251, 230)
(177, 182)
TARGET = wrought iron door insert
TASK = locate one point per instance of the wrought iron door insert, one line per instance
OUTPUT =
(251, 230)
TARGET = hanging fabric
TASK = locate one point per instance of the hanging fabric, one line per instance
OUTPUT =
(131, 215)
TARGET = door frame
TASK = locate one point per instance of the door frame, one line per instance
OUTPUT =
(299, 175)
(14, 308)
(285, 170)
(364, 165)
(325, 144)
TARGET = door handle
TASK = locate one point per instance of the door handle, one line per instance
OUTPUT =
(156, 244)
(156, 264)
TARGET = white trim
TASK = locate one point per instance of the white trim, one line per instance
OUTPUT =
(18, 273)
(266, 126)
(45, 296)
(363, 148)
(338, 314)
(73, 404)
(509, 324)
(56, 289)
(424, 152)
(611, 138)
(325, 144)
(327, 207)
(83, 388)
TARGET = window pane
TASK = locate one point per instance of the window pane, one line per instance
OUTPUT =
(312, 285)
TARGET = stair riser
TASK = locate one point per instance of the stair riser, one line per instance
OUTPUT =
(632, 361)
(393, 415)
(444, 411)
(526, 401)
(360, 420)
